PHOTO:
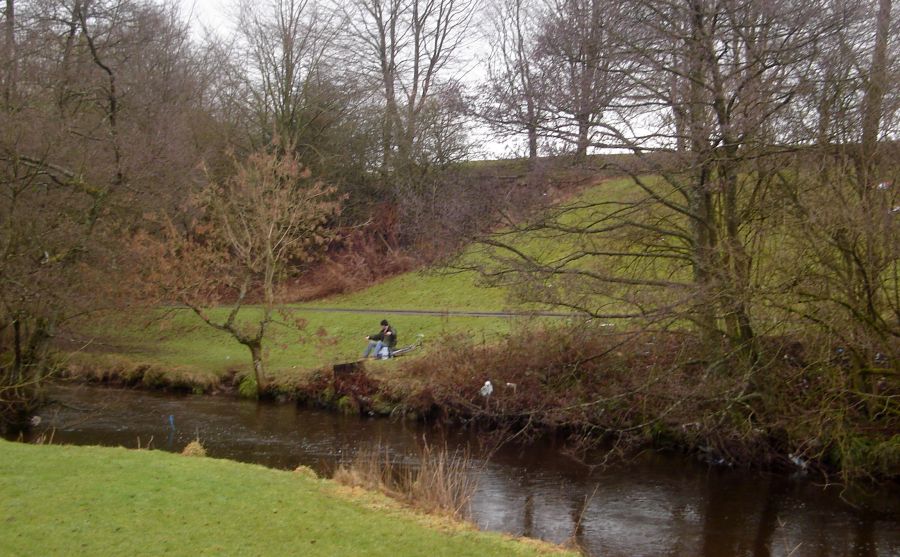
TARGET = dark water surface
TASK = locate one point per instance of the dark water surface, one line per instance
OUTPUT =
(657, 505)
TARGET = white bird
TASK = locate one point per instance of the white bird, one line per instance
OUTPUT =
(798, 461)
(486, 389)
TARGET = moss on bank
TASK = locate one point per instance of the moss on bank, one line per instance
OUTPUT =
(101, 501)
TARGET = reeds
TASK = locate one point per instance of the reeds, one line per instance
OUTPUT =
(441, 481)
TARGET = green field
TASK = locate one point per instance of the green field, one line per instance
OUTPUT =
(101, 501)
(178, 339)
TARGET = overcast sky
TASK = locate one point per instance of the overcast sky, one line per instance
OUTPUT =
(211, 14)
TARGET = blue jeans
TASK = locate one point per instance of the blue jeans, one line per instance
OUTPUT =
(374, 347)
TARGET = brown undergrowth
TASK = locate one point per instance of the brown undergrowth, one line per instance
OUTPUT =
(398, 238)
(791, 410)
(362, 257)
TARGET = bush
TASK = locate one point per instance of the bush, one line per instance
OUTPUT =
(306, 472)
(658, 388)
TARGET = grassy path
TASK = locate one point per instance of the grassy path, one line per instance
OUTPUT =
(448, 313)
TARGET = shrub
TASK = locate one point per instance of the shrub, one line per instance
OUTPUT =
(348, 405)
(306, 472)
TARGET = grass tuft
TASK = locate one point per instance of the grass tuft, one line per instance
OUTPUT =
(443, 482)
(194, 448)
(306, 472)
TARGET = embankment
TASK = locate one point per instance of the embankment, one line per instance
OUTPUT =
(628, 392)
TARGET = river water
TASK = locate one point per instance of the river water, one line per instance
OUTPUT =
(654, 505)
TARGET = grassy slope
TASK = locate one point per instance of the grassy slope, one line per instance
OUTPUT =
(181, 343)
(100, 501)
(425, 291)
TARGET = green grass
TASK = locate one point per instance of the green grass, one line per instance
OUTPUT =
(181, 341)
(437, 290)
(102, 501)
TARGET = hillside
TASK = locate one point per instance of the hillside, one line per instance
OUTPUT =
(307, 336)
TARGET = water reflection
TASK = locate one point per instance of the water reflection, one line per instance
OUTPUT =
(655, 506)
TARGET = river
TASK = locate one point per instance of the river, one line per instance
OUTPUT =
(653, 505)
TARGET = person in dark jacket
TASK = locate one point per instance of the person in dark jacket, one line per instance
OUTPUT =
(385, 338)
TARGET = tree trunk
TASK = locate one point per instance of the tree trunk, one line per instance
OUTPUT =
(532, 145)
(737, 262)
(17, 352)
(584, 128)
(35, 356)
(11, 62)
(678, 90)
(387, 44)
(874, 95)
(20, 382)
(388, 129)
(258, 366)
(703, 260)
(701, 203)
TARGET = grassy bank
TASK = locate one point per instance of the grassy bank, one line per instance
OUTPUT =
(100, 501)
(178, 344)
(182, 350)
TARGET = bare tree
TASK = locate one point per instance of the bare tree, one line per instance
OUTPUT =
(513, 101)
(583, 67)
(409, 47)
(253, 228)
(288, 48)
(844, 205)
(683, 244)
(93, 140)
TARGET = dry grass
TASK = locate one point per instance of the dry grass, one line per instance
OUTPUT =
(306, 472)
(441, 482)
(194, 448)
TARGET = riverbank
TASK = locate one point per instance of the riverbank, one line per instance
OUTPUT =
(599, 388)
(100, 501)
